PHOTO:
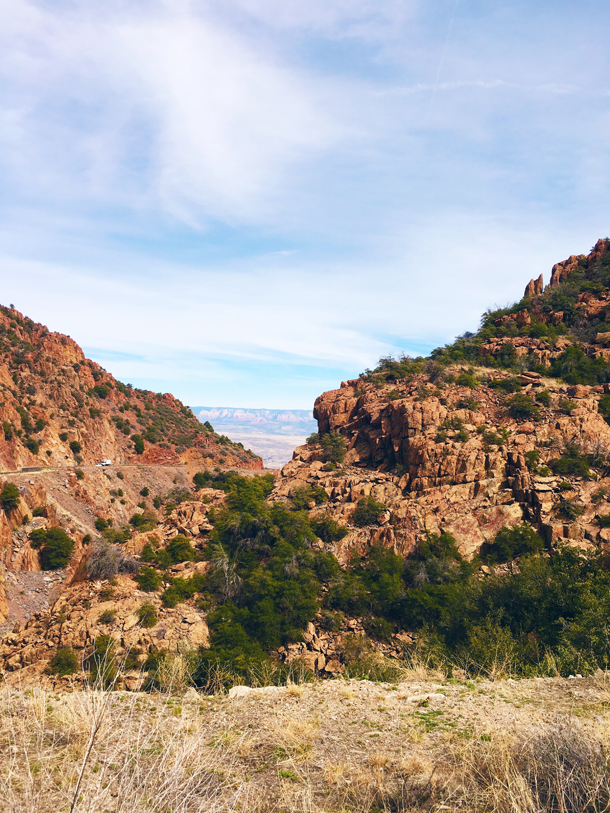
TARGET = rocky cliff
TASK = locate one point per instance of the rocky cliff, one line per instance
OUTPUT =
(439, 442)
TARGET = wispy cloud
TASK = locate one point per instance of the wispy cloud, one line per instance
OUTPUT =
(278, 192)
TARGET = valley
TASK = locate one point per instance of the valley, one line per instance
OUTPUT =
(384, 624)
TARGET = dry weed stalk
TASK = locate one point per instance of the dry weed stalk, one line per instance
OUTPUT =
(561, 769)
(94, 751)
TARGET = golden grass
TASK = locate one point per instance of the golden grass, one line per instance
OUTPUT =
(536, 747)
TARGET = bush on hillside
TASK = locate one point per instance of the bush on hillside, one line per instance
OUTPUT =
(148, 579)
(9, 497)
(332, 444)
(368, 511)
(106, 562)
(54, 545)
(510, 543)
(572, 462)
(522, 406)
(302, 496)
(102, 662)
(147, 614)
(327, 529)
(64, 662)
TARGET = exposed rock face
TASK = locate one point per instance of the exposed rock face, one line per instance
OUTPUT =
(61, 409)
(534, 287)
(470, 480)
(76, 615)
(77, 619)
(561, 270)
(451, 458)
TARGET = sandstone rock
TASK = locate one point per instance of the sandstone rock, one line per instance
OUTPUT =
(334, 667)
(534, 287)
(562, 270)
(579, 391)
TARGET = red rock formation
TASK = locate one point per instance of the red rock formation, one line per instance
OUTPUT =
(54, 400)
(561, 270)
(534, 287)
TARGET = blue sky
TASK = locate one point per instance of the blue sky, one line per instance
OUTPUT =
(246, 202)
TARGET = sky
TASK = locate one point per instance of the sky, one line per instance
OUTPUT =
(246, 202)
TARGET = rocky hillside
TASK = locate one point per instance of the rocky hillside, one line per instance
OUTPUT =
(505, 425)
(457, 502)
(58, 408)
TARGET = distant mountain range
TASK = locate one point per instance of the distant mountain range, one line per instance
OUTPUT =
(267, 421)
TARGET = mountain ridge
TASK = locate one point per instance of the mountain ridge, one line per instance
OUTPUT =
(432, 484)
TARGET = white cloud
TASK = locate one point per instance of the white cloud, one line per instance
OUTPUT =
(162, 109)
(276, 182)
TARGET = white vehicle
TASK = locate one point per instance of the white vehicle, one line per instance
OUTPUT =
(105, 462)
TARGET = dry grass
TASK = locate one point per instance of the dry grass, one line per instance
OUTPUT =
(535, 746)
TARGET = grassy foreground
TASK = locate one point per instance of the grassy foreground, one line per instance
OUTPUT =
(425, 743)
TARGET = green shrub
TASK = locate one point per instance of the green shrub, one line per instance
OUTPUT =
(327, 529)
(179, 550)
(149, 580)
(144, 521)
(604, 520)
(31, 445)
(572, 463)
(368, 512)
(64, 662)
(102, 662)
(131, 662)
(107, 617)
(80, 474)
(75, 447)
(466, 379)
(101, 390)
(39, 511)
(147, 614)
(604, 407)
(332, 444)
(510, 543)
(303, 495)
(507, 385)
(63, 436)
(101, 524)
(522, 406)
(55, 547)
(9, 497)
(379, 629)
(138, 444)
(544, 397)
(575, 367)
(144, 492)
(566, 406)
(183, 589)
